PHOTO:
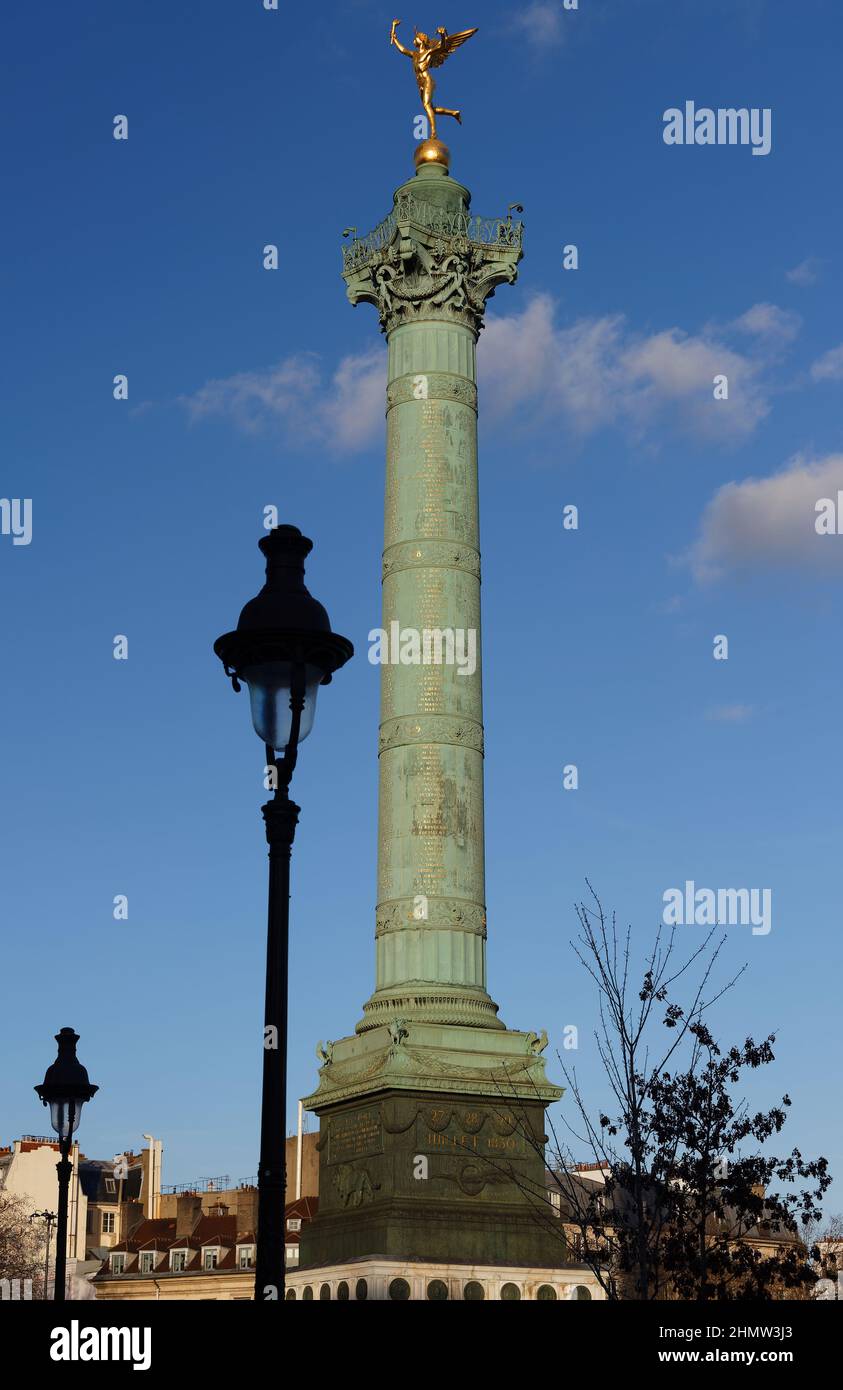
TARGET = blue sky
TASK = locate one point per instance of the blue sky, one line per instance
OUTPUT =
(249, 387)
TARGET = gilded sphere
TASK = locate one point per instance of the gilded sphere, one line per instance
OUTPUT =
(432, 152)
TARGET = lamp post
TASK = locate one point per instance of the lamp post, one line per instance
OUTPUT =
(65, 1089)
(283, 649)
(49, 1218)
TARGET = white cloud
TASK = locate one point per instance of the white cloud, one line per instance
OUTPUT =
(345, 413)
(731, 714)
(676, 369)
(807, 272)
(829, 367)
(769, 523)
(591, 374)
(525, 360)
(352, 411)
(768, 321)
(541, 23)
(598, 372)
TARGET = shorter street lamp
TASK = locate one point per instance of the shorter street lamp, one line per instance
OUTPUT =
(49, 1218)
(65, 1089)
(283, 649)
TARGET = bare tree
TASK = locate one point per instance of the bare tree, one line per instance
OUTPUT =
(21, 1243)
(671, 1206)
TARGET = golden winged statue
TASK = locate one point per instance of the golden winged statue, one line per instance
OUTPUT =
(428, 53)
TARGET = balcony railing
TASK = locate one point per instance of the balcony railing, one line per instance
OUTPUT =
(482, 231)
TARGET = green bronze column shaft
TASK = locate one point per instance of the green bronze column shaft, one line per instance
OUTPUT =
(430, 286)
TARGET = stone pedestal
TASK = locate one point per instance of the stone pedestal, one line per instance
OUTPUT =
(431, 1147)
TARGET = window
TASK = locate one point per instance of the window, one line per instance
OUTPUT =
(110, 1185)
(178, 1261)
(118, 1264)
(361, 1289)
(473, 1291)
(108, 1222)
(342, 1291)
(247, 1257)
(147, 1261)
(510, 1292)
(437, 1289)
(293, 1223)
(556, 1203)
(210, 1258)
(291, 1254)
(399, 1289)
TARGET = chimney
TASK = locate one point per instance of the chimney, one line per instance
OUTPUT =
(133, 1216)
(247, 1208)
(188, 1211)
(151, 1180)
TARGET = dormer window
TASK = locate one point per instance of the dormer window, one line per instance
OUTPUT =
(110, 1185)
(117, 1264)
(210, 1258)
(293, 1223)
(178, 1261)
(246, 1256)
(147, 1261)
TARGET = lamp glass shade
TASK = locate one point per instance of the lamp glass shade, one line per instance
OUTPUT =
(269, 692)
(65, 1116)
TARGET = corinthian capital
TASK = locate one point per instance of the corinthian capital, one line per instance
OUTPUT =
(425, 262)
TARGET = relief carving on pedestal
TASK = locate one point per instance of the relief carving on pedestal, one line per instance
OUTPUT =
(354, 1187)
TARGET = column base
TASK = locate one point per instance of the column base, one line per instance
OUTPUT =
(420, 1003)
(432, 1147)
(379, 1280)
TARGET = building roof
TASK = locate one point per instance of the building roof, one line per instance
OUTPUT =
(305, 1207)
(95, 1174)
(158, 1235)
(159, 1230)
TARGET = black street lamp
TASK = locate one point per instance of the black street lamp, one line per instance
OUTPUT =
(283, 649)
(65, 1089)
(49, 1218)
